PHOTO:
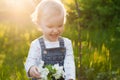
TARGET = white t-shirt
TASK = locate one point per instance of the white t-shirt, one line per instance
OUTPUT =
(34, 56)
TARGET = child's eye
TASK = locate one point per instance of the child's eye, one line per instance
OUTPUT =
(49, 26)
(60, 26)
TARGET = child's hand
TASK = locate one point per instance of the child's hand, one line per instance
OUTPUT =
(34, 72)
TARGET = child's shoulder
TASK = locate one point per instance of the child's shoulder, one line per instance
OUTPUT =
(66, 40)
(35, 41)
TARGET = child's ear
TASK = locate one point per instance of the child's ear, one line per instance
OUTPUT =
(39, 27)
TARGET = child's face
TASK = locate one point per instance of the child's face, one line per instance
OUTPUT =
(52, 27)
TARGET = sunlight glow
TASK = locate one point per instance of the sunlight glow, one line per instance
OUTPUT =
(17, 10)
(15, 4)
(18, 6)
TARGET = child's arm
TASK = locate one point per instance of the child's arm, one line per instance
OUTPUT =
(33, 59)
(69, 63)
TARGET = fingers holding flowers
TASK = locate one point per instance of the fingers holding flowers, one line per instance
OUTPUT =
(34, 72)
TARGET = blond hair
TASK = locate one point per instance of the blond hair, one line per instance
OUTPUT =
(54, 6)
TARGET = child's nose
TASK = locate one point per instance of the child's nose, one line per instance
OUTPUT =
(55, 30)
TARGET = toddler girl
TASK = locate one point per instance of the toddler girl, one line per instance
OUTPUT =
(50, 16)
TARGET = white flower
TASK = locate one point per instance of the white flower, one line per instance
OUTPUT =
(45, 71)
(59, 71)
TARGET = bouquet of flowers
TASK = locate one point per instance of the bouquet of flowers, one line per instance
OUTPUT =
(50, 71)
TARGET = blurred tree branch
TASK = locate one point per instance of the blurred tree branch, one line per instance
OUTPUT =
(79, 38)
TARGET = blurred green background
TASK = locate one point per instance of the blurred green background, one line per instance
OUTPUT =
(92, 25)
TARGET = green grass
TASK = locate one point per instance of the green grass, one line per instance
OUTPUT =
(14, 45)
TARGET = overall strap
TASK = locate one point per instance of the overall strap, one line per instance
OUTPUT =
(61, 42)
(42, 44)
